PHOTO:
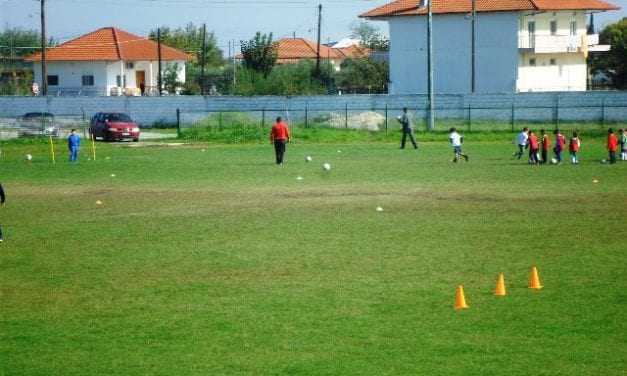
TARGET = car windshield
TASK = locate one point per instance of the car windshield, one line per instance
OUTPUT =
(118, 117)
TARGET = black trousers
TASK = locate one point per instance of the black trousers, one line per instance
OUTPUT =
(0, 232)
(545, 155)
(411, 138)
(612, 156)
(533, 156)
(279, 150)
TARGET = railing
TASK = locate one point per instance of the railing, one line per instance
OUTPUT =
(552, 43)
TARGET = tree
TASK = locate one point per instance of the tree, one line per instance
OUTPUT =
(189, 39)
(363, 76)
(614, 62)
(171, 78)
(370, 36)
(259, 54)
(15, 44)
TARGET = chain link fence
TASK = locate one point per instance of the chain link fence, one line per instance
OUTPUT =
(253, 126)
(42, 124)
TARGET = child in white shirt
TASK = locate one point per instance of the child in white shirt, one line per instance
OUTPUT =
(456, 140)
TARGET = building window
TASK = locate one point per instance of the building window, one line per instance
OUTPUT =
(130, 66)
(53, 80)
(119, 81)
(553, 27)
(532, 62)
(553, 62)
(88, 80)
(573, 27)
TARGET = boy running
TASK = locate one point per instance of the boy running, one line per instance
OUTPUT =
(560, 144)
(456, 141)
(546, 143)
(533, 148)
(573, 148)
(522, 140)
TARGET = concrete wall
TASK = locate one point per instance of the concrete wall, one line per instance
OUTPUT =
(496, 53)
(147, 110)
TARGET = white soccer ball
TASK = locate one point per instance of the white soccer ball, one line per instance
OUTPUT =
(379, 209)
(29, 157)
(98, 202)
(308, 159)
(326, 167)
(553, 161)
(604, 161)
(299, 178)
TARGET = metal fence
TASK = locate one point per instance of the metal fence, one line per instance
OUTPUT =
(245, 126)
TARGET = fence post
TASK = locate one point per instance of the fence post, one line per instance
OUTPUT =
(306, 115)
(603, 112)
(178, 123)
(469, 118)
(346, 116)
(513, 118)
(386, 119)
(556, 113)
(220, 120)
(263, 118)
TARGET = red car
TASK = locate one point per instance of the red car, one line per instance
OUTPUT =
(113, 126)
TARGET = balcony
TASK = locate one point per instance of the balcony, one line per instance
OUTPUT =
(548, 44)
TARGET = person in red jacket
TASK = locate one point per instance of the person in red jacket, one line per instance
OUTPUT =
(573, 148)
(612, 145)
(533, 148)
(279, 136)
(560, 145)
(546, 143)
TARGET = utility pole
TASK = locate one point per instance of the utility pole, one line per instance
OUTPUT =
(234, 66)
(203, 59)
(473, 47)
(319, 31)
(159, 78)
(431, 100)
(44, 67)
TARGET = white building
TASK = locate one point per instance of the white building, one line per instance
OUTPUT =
(520, 45)
(108, 61)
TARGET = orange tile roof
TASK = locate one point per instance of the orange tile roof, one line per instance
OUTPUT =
(292, 50)
(109, 44)
(412, 7)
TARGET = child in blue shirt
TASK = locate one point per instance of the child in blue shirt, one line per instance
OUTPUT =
(73, 144)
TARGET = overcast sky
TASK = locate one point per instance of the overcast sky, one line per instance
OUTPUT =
(229, 19)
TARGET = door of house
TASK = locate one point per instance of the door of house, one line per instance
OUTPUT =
(531, 29)
(140, 80)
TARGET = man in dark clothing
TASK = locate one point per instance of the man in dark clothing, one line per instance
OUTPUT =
(279, 135)
(2, 204)
(407, 129)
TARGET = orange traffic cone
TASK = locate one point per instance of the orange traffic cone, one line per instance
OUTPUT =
(500, 286)
(460, 299)
(534, 279)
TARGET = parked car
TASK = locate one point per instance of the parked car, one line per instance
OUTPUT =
(114, 126)
(35, 124)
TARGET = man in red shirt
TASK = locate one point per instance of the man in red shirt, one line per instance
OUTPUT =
(612, 145)
(279, 136)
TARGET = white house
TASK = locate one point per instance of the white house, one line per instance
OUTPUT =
(520, 45)
(108, 61)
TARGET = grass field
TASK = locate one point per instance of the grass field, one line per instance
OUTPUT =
(210, 260)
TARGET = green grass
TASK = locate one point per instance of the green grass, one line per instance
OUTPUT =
(210, 260)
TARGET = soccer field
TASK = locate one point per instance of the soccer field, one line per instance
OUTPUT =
(211, 260)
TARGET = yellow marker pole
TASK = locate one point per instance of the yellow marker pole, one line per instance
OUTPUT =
(52, 151)
(93, 146)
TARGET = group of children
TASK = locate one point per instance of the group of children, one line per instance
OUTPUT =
(539, 147)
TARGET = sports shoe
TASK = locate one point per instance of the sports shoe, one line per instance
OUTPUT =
(466, 158)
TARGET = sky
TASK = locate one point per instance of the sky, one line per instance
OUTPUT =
(228, 19)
